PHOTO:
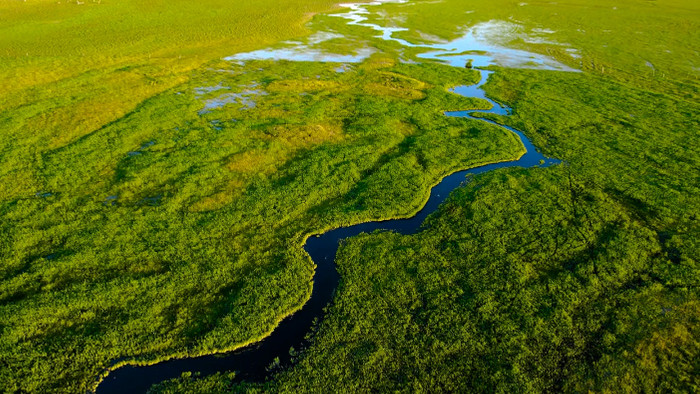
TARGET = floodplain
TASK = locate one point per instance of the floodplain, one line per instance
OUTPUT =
(175, 227)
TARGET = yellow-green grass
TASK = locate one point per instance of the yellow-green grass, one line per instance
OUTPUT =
(200, 249)
(69, 69)
(579, 277)
(636, 41)
(45, 41)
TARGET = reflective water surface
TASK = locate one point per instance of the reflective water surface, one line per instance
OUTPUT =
(252, 362)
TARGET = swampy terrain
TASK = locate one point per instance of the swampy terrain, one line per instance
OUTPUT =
(175, 187)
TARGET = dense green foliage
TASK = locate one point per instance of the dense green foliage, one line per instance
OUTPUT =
(557, 279)
(176, 230)
(572, 278)
(71, 67)
(136, 225)
(580, 298)
(496, 296)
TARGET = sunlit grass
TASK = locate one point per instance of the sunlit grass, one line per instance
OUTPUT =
(137, 224)
(176, 204)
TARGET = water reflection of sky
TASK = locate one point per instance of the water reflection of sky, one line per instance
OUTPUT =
(245, 98)
(303, 53)
(476, 45)
(479, 44)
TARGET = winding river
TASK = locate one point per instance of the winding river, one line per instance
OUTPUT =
(252, 362)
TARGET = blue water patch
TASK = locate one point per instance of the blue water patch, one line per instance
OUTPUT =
(111, 200)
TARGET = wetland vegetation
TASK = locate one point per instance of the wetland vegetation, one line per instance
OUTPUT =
(146, 216)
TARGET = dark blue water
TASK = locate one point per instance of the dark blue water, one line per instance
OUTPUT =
(251, 363)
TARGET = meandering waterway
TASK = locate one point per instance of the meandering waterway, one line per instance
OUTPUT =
(252, 362)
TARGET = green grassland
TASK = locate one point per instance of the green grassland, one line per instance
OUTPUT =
(570, 278)
(134, 226)
(646, 43)
(177, 231)
(581, 277)
(69, 69)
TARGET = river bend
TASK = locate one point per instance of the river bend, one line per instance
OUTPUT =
(251, 363)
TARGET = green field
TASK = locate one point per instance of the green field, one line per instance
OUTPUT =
(69, 69)
(135, 225)
(199, 247)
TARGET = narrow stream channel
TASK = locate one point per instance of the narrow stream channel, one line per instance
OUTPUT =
(251, 363)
